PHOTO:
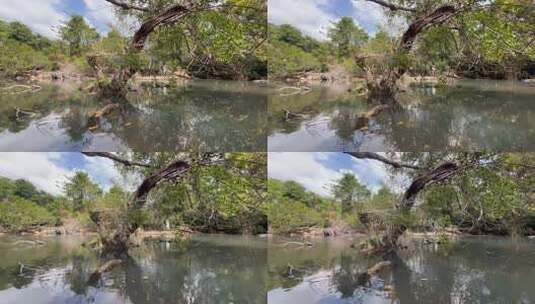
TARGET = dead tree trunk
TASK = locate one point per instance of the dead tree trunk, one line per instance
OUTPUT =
(172, 14)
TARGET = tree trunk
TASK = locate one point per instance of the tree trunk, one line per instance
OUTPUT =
(117, 244)
(383, 87)
(389, 241)
(117, 87)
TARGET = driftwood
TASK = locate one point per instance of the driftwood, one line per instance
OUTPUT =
(21, 114)
(106, 267)
(25, 88)
(364, 119)
(95, 117)
(295, 90)
(290, 115)
(366, 276)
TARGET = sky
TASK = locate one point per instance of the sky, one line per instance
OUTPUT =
(50, 171)
(45, 16)
(315, 17)
(318, 171)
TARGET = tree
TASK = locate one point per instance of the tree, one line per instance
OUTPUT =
(81, 191)
(466, 22)
(226, 174)
(25, 189)
(347, 36)
(166, 13)
(348, 191)
(78, 35)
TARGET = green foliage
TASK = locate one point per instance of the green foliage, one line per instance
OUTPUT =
(81, 191)
(347, 36)
(23, 50)
(78, 35)
(349, 191)
(291, 207)
(291, 52)
(19, 214)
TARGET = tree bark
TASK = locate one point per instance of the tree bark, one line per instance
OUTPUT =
(172, 14)
(383, 87)
(389, 241)
(117, 243)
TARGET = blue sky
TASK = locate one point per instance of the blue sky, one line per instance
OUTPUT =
(314, 17)
(45, 16)
(50, 171)
(318, 171)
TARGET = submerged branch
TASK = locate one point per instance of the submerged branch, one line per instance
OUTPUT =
(106, 267)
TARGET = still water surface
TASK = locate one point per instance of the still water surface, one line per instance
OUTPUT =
(469, 115)
(206, 269)
(471, 270)
(203, 115)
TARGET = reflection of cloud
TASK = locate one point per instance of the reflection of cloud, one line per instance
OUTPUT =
(317, 171)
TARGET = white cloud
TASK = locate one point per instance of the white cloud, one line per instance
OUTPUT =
(303, 14)
(373, 14)
(309, 170)
(100, 11)
(103, 14)
(38, 168)
(303, 168)
(46, 172)
(42, 16)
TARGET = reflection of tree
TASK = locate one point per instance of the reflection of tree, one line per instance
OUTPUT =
(226, 117)
(461, 117)
(480, 271)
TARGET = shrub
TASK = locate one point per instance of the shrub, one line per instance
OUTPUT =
(19, 214)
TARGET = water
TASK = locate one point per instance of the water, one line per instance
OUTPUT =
(470, 115)
(207, 269)
(199, 115)
(470, 270)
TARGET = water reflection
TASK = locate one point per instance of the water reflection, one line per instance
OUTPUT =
(472, 270)
(201, 115)
(207, 269)
(471, 115)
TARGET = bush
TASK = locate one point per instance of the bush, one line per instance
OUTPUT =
(286, 217)
(19, 214)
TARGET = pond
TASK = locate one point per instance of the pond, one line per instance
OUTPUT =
(468, 115)
(202, 115)
(205, 269)
(469, 270)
